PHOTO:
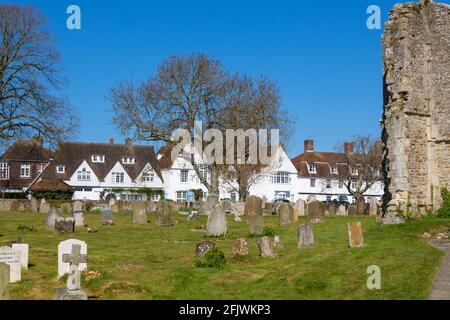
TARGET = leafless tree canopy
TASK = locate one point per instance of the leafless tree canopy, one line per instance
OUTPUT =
(29, 76)
(195, 88)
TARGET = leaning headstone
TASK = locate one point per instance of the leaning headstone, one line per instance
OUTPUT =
(23, 250)
(65, 247)
(12, 259)
(60, 225)
(73, 291)
(240, 247)
(139, 213)
(300, 207)
(44, 206)
(77, 206)
(352, 210)
(78, 216)
(66, 208)
(217, 223)
(316, 211)
(342, 211)
(355, 235)
(285, 213)
(107, 216)
(305, 236)
(34, 204)
(203, 247)
(163, 215)
(50, 220)
(69, 225)
(266, 248)
(4, 281)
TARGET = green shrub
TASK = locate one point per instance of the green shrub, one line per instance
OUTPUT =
(444, 211)
(269, 231)
(186, 209)
(214, 258)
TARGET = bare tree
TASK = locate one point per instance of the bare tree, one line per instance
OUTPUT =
(29, 76)
(193, 88)
(363, 167)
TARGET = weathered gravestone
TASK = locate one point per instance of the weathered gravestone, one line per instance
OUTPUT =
(300, 207)
(373, 208)
(65, 247)
(34, 204)
(332, 210)
(227, 206)
(78, 216)
(311, 198)
(12, 259)
(203, 247)
(77, 206)
(115, 208)
(266, 248)
(50, 220)
(355, 235)
(73, 290)
(316, 211)
(240, 247)
(4, 281)
(107, 216)
(69, 225)
(277, 242)
(342, 210)
(139, 213)
(286, 214)
(15, 206)
(23, 250)
(66, 208)
(305, 236)
(60, 225)
(352, 210)
(44, 206)
(254, 212)
(217, 223)
(163, 215)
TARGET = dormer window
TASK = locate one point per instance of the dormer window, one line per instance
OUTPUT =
(60, 169)
(98, 158)
(312, 168)
(149, 176)
(84, 175)
(354, 171)
(128, 160)
(334, 169)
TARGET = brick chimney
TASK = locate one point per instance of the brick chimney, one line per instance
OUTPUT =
(309, 145)
(348, 147)
(38, 141)
(111, 141)
(129, 142)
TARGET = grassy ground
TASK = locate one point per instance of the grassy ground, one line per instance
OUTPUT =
(146, 262)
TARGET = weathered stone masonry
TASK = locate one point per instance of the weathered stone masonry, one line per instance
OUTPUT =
(416, 119)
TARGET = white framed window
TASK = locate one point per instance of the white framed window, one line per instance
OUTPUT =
(312, 168)
(184, 176)
(312, 183)
(60, 168)
(40, 168)
(84, 175)
(341, 184)
(334, 169)
(128, 160)
(117, 177)
(149, 176)
(4, 171)
(328, 184)
(354, 171)
(203, 170)
(353, 185)
(155, 197)
(181, 195)
(98, 158)
(280, 178)
(328, 198)
(25, 170)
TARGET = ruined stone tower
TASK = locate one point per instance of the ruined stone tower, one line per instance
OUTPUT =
(416, 118)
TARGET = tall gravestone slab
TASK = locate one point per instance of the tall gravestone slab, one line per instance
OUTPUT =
(44, 206)
(77, 206)
(300, 207)
(34, 204)
(254, 212)
(139, 213)
(355, 235)
(50, 220)
(107, 216)
(285, 214)
(4, 281)
(23, 250)
(305, 236)
(66, 208)
(316, 211)
(69, 225)
(163, 215)
(65, 247)
(352, 210)
(373, 208)
(217, 223)
(12, 259)
(78, 216)
(342, 210)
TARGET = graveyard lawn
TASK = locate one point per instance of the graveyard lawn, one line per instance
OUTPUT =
(129, 261)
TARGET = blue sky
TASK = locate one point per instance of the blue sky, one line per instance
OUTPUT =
(325, 60)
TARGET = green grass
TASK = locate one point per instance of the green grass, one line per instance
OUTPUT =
(146, 262)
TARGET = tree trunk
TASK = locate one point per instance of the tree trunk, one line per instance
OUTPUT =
(360, 205)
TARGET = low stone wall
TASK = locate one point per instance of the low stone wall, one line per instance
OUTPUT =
(14, 205)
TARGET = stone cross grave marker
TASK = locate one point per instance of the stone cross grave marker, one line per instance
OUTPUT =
(4, 281)
(23, 249)
(73, 291)
(12, 259)
(65, 247)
